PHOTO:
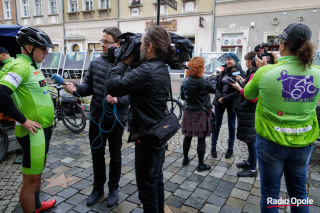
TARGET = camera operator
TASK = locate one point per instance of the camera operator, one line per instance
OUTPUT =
(286, 122)
(148, 87)
(224, 99)
(94, 84)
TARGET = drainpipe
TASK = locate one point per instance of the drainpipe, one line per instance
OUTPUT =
(118, 24)
(15, 8)
(213, 16)
(64, 29)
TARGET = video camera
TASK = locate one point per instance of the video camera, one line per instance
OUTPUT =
(131, 43)
(264, 48)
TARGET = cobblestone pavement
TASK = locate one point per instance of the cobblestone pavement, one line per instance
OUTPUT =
(217, 190)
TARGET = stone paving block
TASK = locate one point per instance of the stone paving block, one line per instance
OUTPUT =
(196, 178)
(314, 209)
(248, 207)
(235, 202)
(216, 200)
(125, 207)
(74, 170)
(216, 174)
(67, 193)
(189, 168)
(134, 198)
(102, 207)
(256, 192)
(195, 202)
(222, 192)
(167, 174)
(229, 209)
(184, 173)
(62, 208)
(54, 165)
(209, 208)
(244, 186)
(189, 209)
(124, 181)
(314, 191)
(171, 187)
(224, 164)
(167, 194)
(82, 184)
(129, 189)
(315, 175)
(172, 169)
(178, 179)
(230, 178)
(249, 180)
(174, 201)
(137, 210)
(201, 193)
(316, 199)
(313, 183)
(122, 197)
(67, 160)
(188, 185)
(76, 199)
(82, 207)
(182, 193)
(253, 200)
(256, 184)
(220, 169)
(87, 191)
(125, 169)
(129, 175)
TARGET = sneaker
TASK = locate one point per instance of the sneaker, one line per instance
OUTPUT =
(185, 161)
(214, 153)
(203, 167)
(94, 197)
(229, 153)
(46, 205)
(243, 165)
(247, 173)
(112, 198)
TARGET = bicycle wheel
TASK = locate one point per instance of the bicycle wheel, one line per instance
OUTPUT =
(76, 122)
(4, 143)
(178, 107)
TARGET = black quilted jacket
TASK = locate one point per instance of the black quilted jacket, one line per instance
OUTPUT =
(95, 84)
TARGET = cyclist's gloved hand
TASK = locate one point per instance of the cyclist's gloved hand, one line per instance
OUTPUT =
(31, 126)
(69, 87)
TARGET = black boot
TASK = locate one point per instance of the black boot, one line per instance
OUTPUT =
(214, 152)
(247, 173)
(203, 167)
(243, 165)
(94, 197)
(185, 161)
(113, 198)
(229, 153)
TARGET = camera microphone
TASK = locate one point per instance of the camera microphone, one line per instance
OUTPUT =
(57, 79)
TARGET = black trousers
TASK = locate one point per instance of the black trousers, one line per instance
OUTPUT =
(149, 162)
(114, 138)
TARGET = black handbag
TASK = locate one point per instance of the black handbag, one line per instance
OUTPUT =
(213, 126)
(163, 130)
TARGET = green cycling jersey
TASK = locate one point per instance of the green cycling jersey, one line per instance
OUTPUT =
(30, 93)
(287, 98)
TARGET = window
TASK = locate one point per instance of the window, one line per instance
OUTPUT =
(73, 6)
(37, 7)
(94, 47)
(55, 48)
(104, 4)
(7, 9)
(76, 48)
(135, 12)
(134, 2)
(89, 4)
(189, 6)
(53, 7)
(25, 8)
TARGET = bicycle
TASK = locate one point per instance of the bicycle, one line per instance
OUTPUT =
(67, 108)
(5, 125)
(177, 107)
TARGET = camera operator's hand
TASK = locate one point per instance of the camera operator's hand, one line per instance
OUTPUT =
(31, 126)
(69, 87)
(275, 57)
(220, 101)
(236, 86)
(128, 61)
(214, 73)
(259, 62)
(112, 100)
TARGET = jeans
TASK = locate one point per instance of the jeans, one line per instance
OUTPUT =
(232, 115)
(98, 161)
(148, 162)
(274, 161)
(252, 157)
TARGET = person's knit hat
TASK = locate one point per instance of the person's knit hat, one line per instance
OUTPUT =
(233, 56)
(295, 31)
(3, 50)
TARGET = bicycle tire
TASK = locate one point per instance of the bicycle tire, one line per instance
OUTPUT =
(75, 123)
(4, 143)
(178, 107)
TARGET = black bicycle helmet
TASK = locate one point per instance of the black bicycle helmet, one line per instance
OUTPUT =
(34, 37)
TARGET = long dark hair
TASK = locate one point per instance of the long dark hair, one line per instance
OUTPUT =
(160, 39)
(304, 50)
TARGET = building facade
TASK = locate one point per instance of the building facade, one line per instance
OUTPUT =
(7, 12)
(219, 26)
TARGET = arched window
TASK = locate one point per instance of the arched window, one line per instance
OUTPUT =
(189, 6)
(76, 48)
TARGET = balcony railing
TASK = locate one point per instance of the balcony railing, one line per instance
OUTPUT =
(135, 2)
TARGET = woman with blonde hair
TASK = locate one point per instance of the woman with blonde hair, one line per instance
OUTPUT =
(196, 122)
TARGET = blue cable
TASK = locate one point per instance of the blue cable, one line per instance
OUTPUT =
(105, 111)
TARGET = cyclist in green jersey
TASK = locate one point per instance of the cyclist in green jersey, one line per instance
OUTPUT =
(25, 91)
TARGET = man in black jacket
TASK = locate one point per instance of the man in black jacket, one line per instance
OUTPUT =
(148, 88)
(94, 84)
